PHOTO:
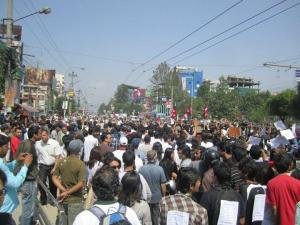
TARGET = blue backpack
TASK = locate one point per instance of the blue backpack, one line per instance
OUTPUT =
(113, 218)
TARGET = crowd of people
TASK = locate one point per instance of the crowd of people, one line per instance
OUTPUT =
(116, 171)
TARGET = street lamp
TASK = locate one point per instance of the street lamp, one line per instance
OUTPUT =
(45, 10)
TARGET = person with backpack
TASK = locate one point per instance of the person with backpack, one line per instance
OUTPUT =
(252, 192)
(223, 204)
(106, 209)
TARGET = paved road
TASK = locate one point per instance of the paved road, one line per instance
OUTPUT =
(48, 209)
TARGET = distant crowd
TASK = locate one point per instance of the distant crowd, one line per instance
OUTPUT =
(102, 170)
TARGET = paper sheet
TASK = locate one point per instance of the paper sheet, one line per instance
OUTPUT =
(288, 134)
(177, 218)
(278, 141)
(258, 207)
(254, 140)
(228, 213)
(279, 125)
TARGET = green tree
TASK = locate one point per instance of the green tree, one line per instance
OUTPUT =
(102, 109)
(58, 104)
(282, 104)
(296, 103)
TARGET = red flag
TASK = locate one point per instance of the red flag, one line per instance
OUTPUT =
(205, 112)
(187, 113)
(173, 113)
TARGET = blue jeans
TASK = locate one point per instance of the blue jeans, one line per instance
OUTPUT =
(29, 202)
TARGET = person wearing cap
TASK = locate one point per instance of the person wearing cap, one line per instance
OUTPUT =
(156, 180)
(122, 148)
(69, 178)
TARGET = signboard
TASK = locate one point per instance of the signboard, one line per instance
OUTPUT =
(65, 105)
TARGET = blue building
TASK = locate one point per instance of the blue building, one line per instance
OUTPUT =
(191, 79)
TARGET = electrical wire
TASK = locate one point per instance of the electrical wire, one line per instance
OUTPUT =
(235, 34)
(46, 32)
(184, 38)
(41, 43)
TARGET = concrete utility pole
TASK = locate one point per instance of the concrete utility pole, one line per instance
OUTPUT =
(72, 75)
(11, 86)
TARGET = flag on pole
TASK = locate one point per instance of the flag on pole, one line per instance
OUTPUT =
(187, 113)
(173, 113)
(205, 112)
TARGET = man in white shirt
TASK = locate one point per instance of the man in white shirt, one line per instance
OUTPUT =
(105, 185)
(89, 143)
(48, 153)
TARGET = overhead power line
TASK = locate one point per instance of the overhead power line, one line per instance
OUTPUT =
(235, 34)
(41, 43)
(225, 31)
(46, 32)
(217, 35)
(239, 32)
(185, 37)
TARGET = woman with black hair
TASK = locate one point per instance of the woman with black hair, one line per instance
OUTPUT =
(169, 165)
(157, 146)
(131, 196)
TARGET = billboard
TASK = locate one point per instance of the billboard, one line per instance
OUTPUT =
(191, 80)
(36, 76)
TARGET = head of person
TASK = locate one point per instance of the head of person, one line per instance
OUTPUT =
(255, 152)
(211, 157)
(34, 133)
(64, 129)
(147, 139)
(151, 156)
(128, 158)
(18, 132)
(284, 162)
(75, 147)
(184, 152)
(105, 183)
(106, 138)
(248, 167)
(95, 156)
(169, 154)
(239, 154)
(188, 180)
(123, 143)
(5, 128)
(66, 140)
(226, 148)
(198, 150)
(157, 146)
(45, 135)
(222, 172)
(3, 180)
(131, 191)
(135, 142)
(96, 131)
(4, 140)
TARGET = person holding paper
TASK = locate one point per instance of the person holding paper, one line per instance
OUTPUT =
(283, 191)
(180, 208)
(223, 204)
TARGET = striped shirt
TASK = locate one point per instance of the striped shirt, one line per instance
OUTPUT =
(183, 203)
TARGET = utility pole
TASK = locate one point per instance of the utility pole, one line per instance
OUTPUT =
(72, 75)
(10, 84)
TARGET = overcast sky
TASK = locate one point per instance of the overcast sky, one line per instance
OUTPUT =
(112, 38)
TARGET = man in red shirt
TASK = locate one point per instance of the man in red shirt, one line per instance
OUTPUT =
(15, 141)
(283, 191)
